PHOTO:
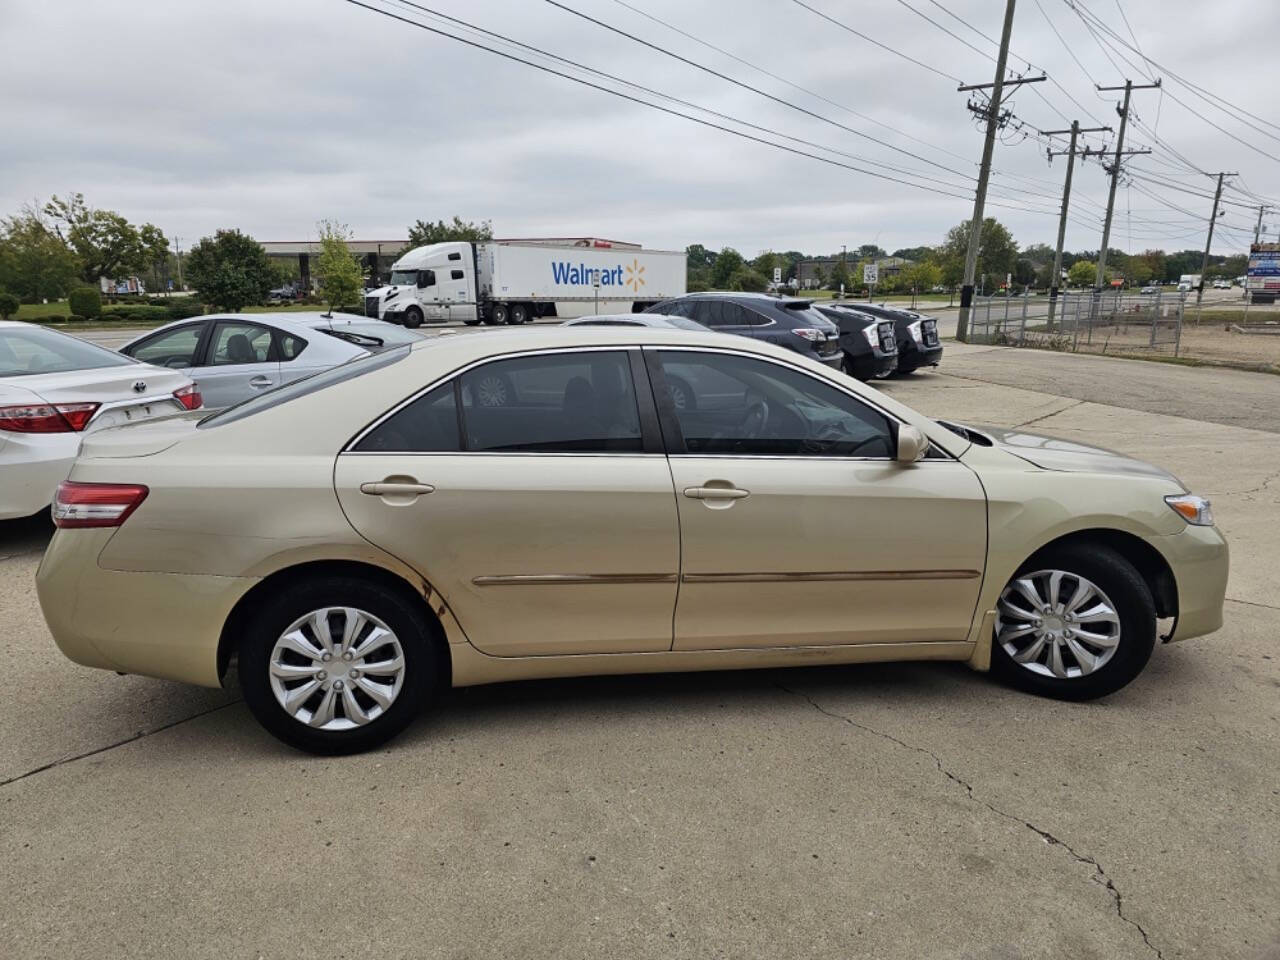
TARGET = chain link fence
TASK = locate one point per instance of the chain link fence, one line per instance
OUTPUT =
(1078, 321)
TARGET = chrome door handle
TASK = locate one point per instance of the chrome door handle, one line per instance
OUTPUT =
(396, 488)
(716, 493)
(261, 382)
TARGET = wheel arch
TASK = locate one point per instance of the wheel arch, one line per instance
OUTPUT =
(1146, 559)
(420, 595)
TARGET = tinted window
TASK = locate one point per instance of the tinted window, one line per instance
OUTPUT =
(427, 425)
(738, 405)
(555, 403)
(426, 278)
(709, 313)
(173, 348)
(291, 346)
(27, 350)
(677, 308)
(752, 318)
(456, 274)
(239, 342)
(455, 256)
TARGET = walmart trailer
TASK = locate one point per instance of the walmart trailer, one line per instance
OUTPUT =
(516, 281)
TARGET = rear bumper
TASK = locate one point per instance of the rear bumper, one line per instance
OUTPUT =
(157, 624)
(870, 366)
(911, 356)
(1200, 560)
(31, 467)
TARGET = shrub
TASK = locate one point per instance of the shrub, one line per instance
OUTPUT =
(183, 309)
(8, 305)
(85, 301)
(54, 318)
(76, 318)
(136, 312)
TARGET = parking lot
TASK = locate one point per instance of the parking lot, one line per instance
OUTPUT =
(890, 811)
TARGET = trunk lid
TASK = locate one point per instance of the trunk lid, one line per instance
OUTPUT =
(139, 439)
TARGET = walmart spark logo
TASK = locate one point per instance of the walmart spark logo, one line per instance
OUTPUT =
(635, 276)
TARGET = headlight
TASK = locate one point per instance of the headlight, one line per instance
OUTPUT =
(870, 332)
(1192, 509)
(916, 335)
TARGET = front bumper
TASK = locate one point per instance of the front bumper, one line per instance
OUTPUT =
(1200, 560)
(31, 467)
(157, 624)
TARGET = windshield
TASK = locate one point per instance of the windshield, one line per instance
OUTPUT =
(29, 350)
(307, 385)
(404, 278)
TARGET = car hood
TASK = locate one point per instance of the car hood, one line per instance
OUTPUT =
(140, 439)
(1054, 453)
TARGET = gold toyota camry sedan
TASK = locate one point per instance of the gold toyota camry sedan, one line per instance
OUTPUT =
(542, 503)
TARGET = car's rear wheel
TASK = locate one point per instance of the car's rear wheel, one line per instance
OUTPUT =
(413, 318)
(1075, 623)
(337, 664)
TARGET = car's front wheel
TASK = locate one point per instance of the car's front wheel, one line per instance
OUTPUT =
(337, 664)
(1075, 623)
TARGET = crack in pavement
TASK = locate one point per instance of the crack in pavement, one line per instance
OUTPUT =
(1069, 406)
(1099, 874)
(119, 743)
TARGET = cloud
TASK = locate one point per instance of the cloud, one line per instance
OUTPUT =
(269, 116)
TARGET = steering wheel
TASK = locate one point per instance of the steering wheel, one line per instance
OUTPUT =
(755, 418)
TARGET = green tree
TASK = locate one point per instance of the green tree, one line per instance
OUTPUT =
(155, 251)
(1024, 272)
(8, 305)
(338, 271)
(106, 243)
(915, 253)
(1082, 273)
(921, 276)
(35, 263)
(423, 232)
(839, 276)
(728, 263)
(765, 263)
(229, 270)
(869, 251)
(996, 250)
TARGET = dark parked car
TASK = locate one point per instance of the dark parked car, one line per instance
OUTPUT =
(918, 343)
(786, 321)
(870, 344)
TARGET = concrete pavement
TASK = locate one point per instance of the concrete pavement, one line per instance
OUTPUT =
(887, 811)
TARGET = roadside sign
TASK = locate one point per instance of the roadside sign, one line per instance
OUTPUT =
(777, 274)
(870, 274)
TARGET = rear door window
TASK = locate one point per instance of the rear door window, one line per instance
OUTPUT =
(579, 402)
(238, 341)
(429, 424)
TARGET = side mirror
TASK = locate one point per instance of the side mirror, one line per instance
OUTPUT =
(912, 444)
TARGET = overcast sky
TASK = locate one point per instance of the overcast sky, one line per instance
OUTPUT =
(270, 114)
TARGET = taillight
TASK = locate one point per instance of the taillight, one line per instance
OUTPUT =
(189, 397)
(47, 417)
(95, 504)
(810, 334)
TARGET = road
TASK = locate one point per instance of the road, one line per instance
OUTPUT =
(896, 811)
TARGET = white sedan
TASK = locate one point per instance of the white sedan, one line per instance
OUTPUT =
(54, 387)
(236, 356)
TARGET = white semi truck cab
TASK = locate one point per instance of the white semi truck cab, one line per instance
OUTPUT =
(514, 282)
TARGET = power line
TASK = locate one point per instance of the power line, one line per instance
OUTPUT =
(882, 46)
(746, 86)
(672, 112)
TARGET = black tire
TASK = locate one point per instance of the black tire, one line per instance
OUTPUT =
(1131, 598)
(848, 368)
(499, 314)
(413, 318)
(472, 321)
(422, 673)
(519, 314)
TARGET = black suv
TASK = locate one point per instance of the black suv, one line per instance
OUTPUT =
(870, 344)
(918, 343)
(786, 321)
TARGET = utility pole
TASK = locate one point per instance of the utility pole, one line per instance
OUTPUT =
(995, 120)
(1204, 262)
(1128, 89)
(177, 246)
(1056, 277)
(1257, 231)
(844, 267)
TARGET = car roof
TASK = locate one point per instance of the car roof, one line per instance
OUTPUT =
(742, 295)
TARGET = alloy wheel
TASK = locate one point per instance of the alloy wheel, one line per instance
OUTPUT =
(1057, 624)
(336, 668)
